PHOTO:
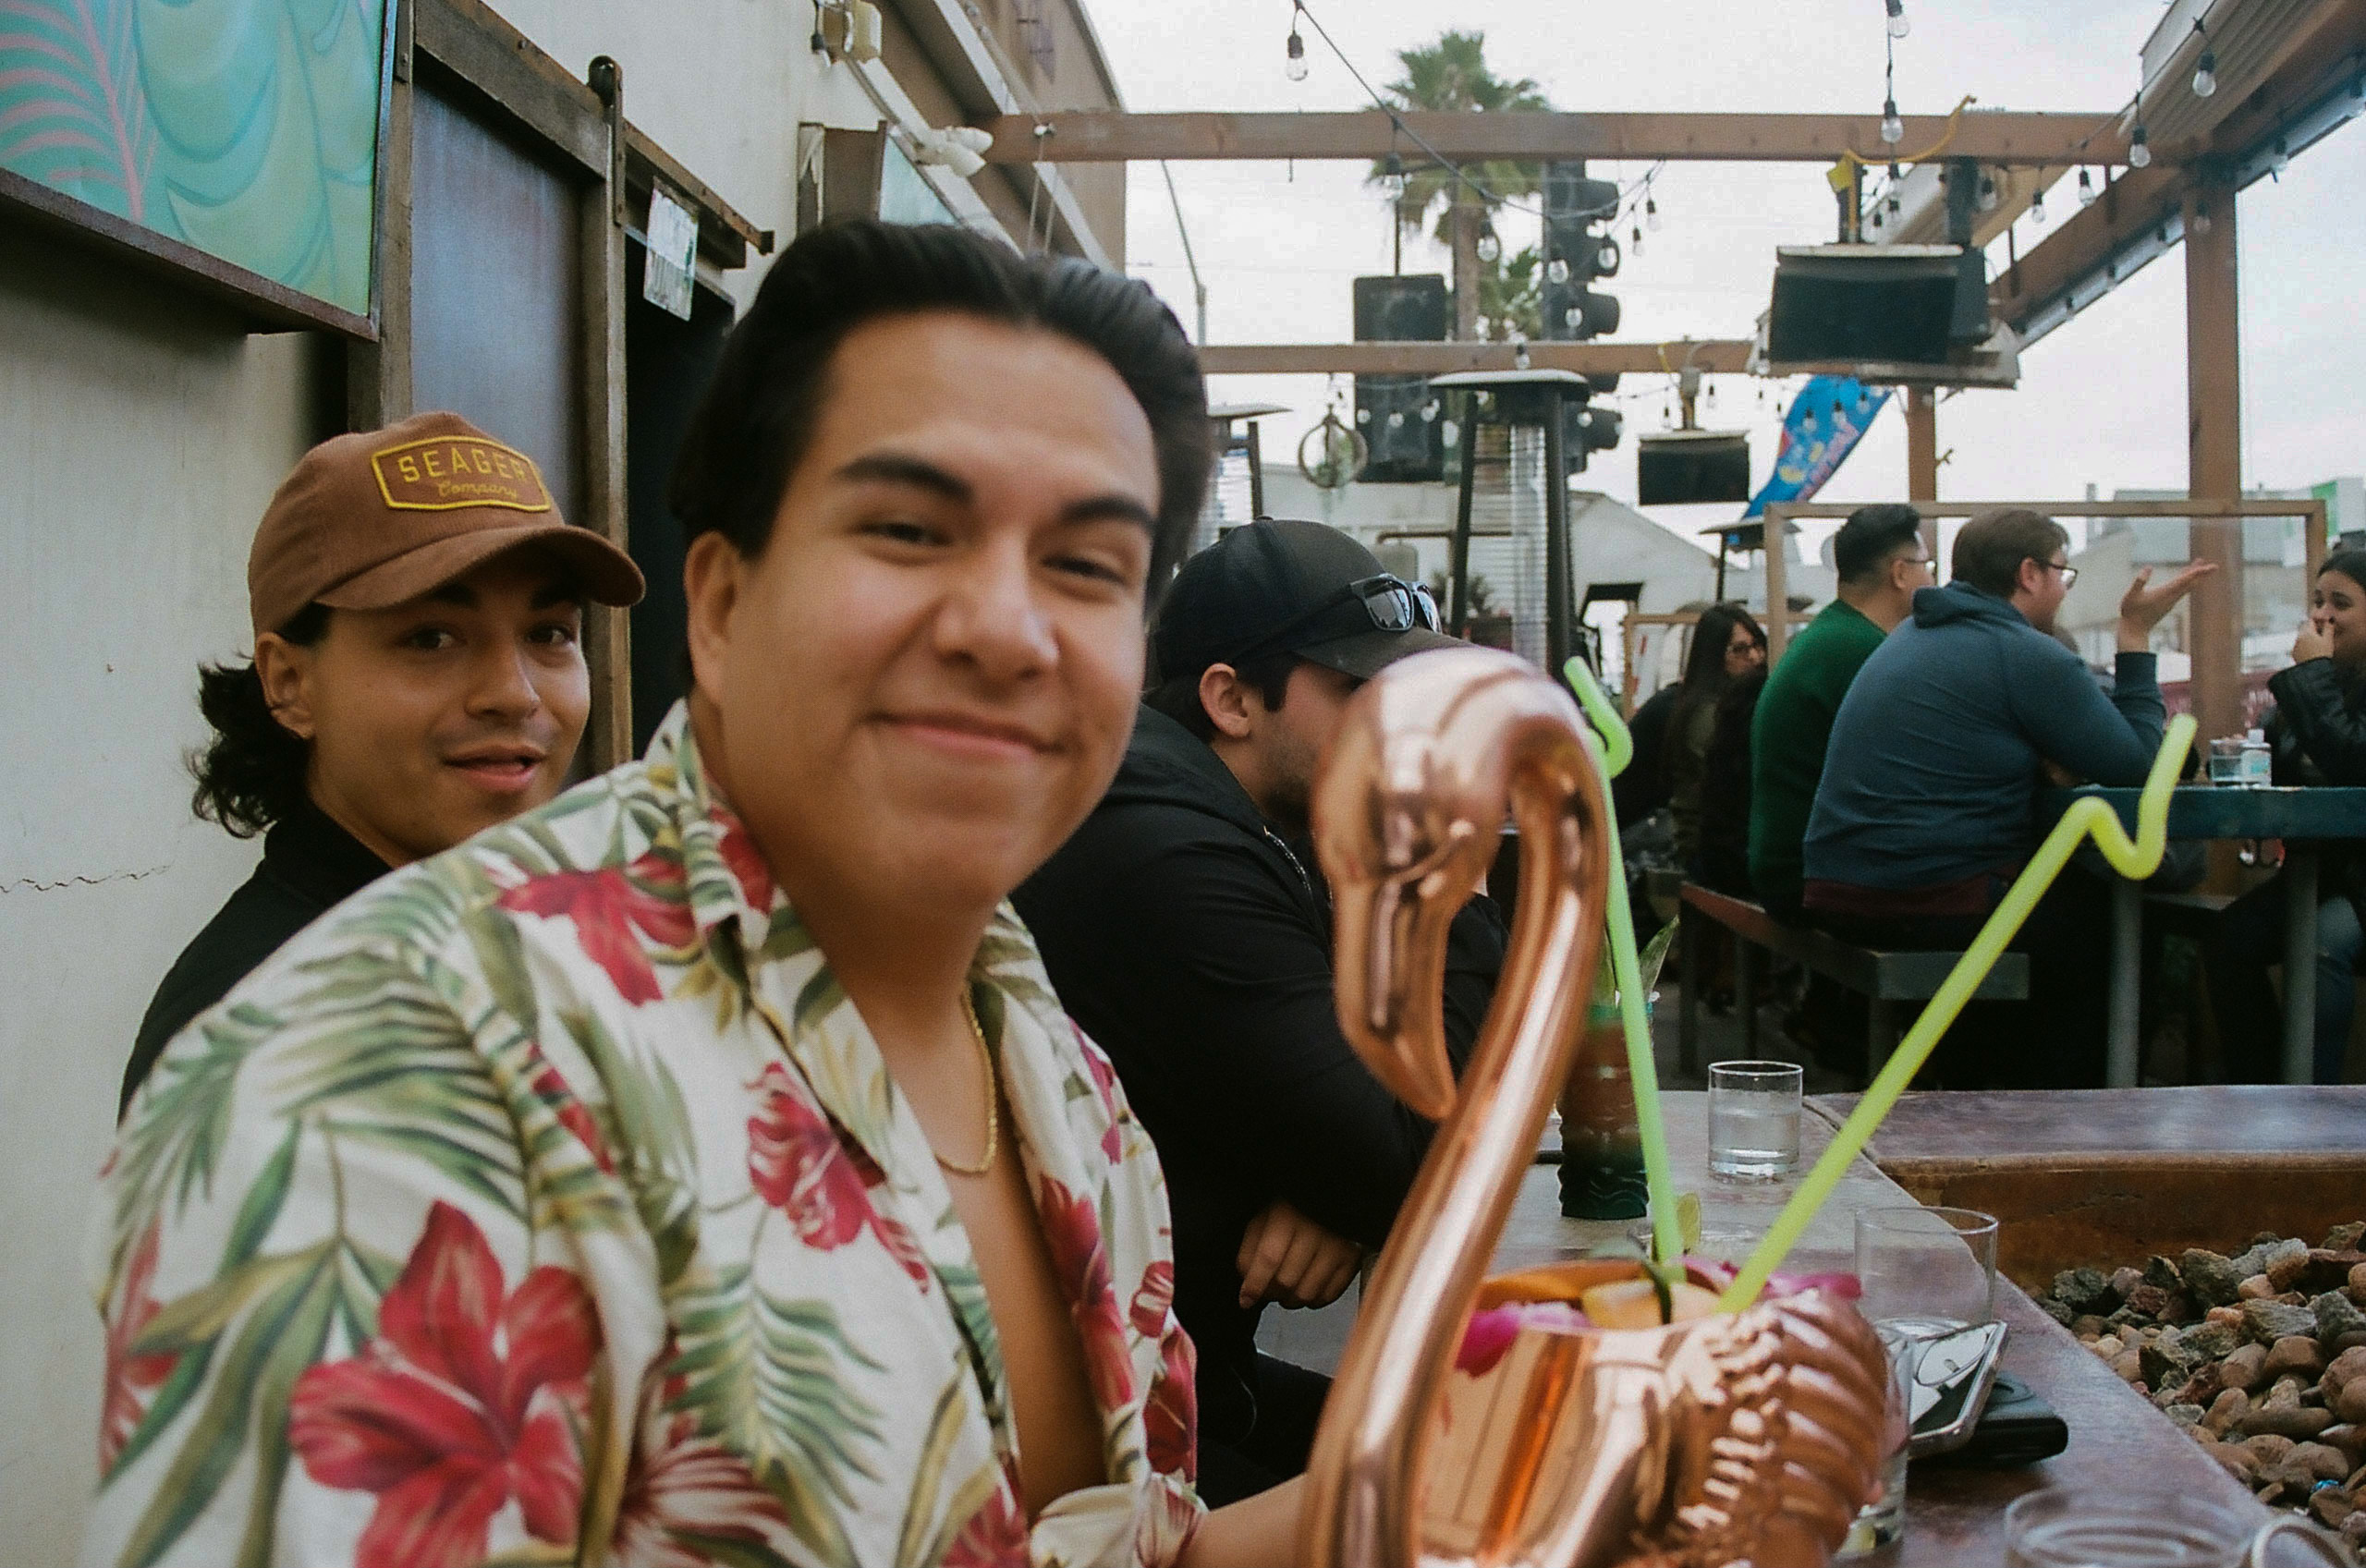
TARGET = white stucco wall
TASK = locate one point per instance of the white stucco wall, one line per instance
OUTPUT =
(140, 436)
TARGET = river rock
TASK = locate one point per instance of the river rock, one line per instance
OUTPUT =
(2164, 1363)
(2266, 1252)
(2210, 1278)
(2349, 1404)
(2337, 1318)
(2128, 1365)
(2347, 1368)
(2346, 1238)
(2267, 1448)
(2325, 1464)
(2268, 1321)
(2108, 1346)
(2087, 1327)
(2056, 1310)
(2083, 1290)
(2324, 1269)
(2126, 1280)
(2226, 1410)
(2147, 1301)
(2355, 1288)
(2332, 1507)
(2296, 1421)
(2255, 1287)
(2237, 1461)
(2302, 1358)
(2244, 1367)
(2210, 1340)
(2349, 1439)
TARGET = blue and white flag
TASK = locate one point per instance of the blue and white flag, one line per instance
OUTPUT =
(1824, 423)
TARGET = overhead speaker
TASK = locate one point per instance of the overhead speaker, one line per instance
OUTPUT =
(1680, 466)
(1401, 309)
(1894, 304)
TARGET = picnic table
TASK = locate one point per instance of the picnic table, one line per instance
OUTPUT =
(2300, 818)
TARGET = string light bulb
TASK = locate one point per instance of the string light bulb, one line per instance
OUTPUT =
(1988, 196)
(1605, 260)
(2037, 206)
(2202, 217)
(1651, 214)
(2086, 189)
(2205, 74)
(1893, 129)
(1294, 65)
(2279, 157)
(2140, 149)
(1391, 177)
(1898, 25)
(1489, 245)
(1557, 270)
(1636, 236)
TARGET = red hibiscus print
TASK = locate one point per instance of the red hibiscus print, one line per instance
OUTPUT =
(1072, 1231)
(1171, 1414)
(689, 1499)
(746, 862)
(1105, 1083)
(573, 1114)
(1152, 1299)
(995, 1535)
(131, 1379)
(469, 1398)
(613, 910)
(804, 1165)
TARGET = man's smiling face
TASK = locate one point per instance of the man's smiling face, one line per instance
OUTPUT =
(929, 674)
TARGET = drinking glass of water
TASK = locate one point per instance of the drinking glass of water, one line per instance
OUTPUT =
(1931, 1270)
(1754, 1119)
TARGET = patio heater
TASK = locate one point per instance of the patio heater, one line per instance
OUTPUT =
(1237, 481)
(1511, 522)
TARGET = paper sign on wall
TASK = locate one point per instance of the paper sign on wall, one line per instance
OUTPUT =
(673, 246)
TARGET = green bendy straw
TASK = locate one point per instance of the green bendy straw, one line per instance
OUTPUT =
(1659, 1180)
(2134, 860)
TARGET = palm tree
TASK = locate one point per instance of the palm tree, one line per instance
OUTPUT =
(1452, 75)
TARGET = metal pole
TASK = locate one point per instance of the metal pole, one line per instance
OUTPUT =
(2299, 965)
(2125, 1042)
(1256, 473)
(1923, 462)
(1557, 583)
(1459, 608)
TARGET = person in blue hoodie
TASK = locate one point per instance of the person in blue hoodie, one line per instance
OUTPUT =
(1927, 807)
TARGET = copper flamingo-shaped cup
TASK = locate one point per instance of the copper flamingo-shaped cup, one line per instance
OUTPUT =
(1753, 1436)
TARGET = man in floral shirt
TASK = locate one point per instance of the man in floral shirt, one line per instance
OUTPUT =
(699, 1169)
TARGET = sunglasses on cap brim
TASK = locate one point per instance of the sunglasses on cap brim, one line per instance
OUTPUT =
(1383, 603)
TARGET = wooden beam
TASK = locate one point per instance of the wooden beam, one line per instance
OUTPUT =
(1108, 137)
(607, 736)
(1922, 461)
(2325, 59)
(2215, 458)
(1718, 356)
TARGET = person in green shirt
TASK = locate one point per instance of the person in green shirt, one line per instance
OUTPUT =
(1880, 559)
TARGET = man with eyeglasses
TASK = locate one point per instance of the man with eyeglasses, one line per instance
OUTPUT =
(1188, 929)
(1927, 808)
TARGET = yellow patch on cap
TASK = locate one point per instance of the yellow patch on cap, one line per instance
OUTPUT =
(445, 473)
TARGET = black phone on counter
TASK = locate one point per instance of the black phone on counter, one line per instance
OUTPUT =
(2016, 1427)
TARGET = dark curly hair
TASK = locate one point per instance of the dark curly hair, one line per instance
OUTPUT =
(751, 428)
(251, 774)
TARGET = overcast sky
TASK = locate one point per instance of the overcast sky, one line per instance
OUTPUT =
(2102, 400)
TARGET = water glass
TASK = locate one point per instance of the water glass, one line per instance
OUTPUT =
(1927, 1269)
(2058, 1528)
(1882, 1520)
(1754, 1119)
(2226, 760)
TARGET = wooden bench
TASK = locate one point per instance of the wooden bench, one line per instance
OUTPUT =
(1884, 980)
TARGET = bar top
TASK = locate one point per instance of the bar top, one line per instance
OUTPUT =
(2208, 811)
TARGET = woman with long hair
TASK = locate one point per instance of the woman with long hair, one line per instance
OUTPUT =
(1727, 643)
(2318, 731)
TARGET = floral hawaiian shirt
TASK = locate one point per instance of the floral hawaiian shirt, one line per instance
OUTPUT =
(549, 1202)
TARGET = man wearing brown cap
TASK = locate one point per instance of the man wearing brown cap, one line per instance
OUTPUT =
(417, 602)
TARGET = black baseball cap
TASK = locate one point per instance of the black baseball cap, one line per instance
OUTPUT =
(1280, 585)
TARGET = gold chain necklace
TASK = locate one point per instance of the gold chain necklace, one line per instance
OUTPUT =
(993, 1095)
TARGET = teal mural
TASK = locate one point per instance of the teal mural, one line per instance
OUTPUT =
(247, 128)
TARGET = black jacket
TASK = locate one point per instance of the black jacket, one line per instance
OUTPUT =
(2318, 731)
(310, 864)
(1193, 944)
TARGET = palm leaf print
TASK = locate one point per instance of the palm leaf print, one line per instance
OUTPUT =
(73, 115)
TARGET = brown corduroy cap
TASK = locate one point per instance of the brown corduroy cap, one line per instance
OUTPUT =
(375, 518)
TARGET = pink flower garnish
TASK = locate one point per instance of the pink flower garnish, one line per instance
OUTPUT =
(1489, 1333)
